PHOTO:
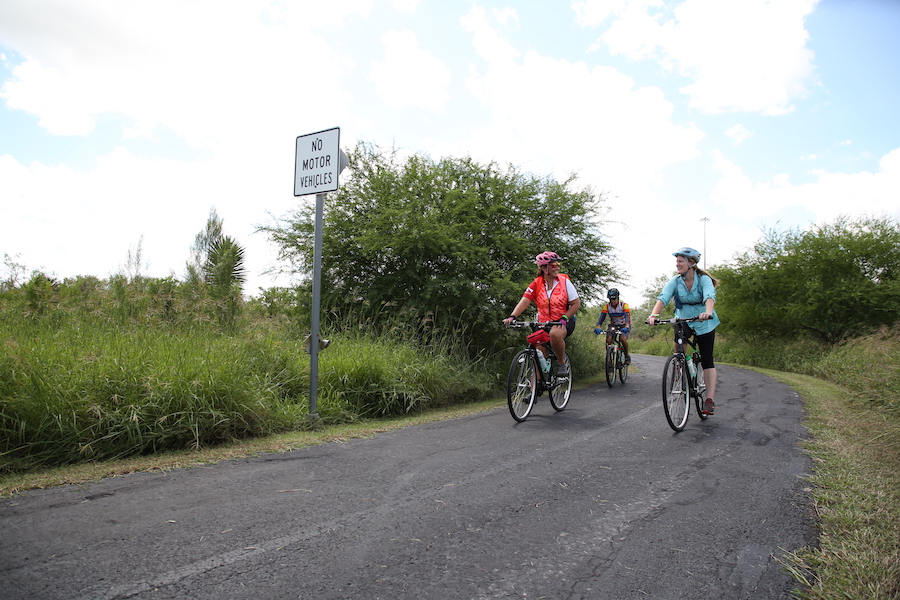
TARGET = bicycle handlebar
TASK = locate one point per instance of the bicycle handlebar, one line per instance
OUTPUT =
(674, 320)
(610, 331)
(520, 324)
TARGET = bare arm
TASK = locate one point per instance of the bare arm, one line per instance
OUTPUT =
(657, 308)
(710, 307)
(573, 308)
(518, 310)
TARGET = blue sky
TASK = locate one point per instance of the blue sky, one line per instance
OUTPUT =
(124, 122)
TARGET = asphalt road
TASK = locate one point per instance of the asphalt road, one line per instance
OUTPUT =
(600, 501)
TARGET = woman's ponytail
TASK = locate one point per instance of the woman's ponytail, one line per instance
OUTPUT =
(700, 271)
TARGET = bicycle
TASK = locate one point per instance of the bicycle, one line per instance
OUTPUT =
(527, 380)
(615, 357)
(683, 377)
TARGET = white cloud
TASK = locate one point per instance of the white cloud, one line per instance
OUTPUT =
(592, 13)
(405, 5)
(87, 222)
(844, 193)
(240, 80)
(741, 197)
(488, 43)
(409, 75)
(738, 133)
(195, 69)
(831, 195)
(636, 30)
(506, 15)
(552, 115)
(747, 56)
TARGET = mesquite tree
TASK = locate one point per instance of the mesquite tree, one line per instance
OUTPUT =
(828, 281)
(451, 241)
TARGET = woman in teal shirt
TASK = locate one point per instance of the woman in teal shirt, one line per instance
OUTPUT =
(694, 291)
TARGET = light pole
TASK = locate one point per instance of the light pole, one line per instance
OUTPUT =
(704, 219)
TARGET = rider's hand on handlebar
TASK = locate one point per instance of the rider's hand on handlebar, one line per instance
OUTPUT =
(509, 320)
(598, 330)
(651, 320)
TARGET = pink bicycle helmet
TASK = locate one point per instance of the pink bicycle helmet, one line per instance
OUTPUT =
(545, 258)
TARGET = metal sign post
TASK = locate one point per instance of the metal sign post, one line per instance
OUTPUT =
(316, 307)
(318, 162)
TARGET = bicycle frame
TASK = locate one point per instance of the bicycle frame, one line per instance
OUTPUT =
(680, 383)
(615, 357)
(526, 380)
(617, 337)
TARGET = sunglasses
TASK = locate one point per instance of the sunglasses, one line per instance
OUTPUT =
(553, 264)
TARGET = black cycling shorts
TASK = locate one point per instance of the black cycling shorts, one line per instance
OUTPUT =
(570, 326)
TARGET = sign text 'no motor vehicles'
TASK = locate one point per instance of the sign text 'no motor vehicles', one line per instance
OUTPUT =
(317, 163)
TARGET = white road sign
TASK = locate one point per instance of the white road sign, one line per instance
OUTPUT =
(318, 162)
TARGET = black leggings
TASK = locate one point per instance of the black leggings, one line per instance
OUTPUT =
(706, 343)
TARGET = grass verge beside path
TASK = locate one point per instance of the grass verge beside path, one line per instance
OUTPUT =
(855, 450)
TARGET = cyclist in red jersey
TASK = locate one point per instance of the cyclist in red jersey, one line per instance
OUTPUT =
(556, 300)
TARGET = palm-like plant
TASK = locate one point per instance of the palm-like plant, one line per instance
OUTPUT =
(225, 275)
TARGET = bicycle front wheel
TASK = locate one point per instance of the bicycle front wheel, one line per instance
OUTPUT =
(700, 392)
(561, 390)
(521, 385)
(611, 366)
(675, 392)
(622, 366)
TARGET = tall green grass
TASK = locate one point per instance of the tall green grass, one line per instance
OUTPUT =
(868, 365)
(80, 392)
(89, 389)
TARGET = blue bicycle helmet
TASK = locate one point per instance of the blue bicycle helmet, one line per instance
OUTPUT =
(688, 252)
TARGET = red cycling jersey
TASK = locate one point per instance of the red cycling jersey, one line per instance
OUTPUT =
(553, 303)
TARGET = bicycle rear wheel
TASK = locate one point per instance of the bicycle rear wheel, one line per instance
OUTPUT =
(561, 390)
(521, 385)
(700, 396)
(675, 392)
(611, 366)
(621, 366)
